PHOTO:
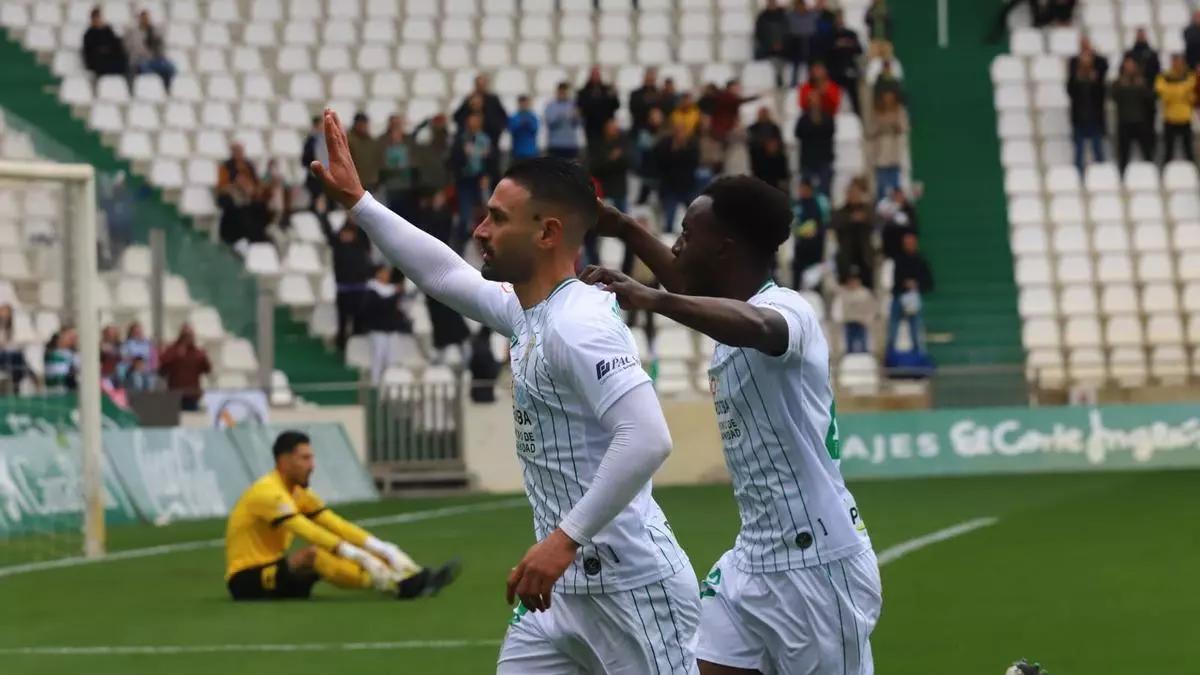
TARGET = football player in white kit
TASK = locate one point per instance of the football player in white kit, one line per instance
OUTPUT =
(799, 592)
(606, 588)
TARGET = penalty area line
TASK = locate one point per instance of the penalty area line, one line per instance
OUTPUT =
(136, 650)
(894, 553)
(129, 554)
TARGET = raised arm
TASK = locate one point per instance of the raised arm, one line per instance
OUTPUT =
(432, 266)
(646, 246)
(731, 322)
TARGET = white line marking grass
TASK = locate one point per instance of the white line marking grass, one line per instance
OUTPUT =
(888, 555)
(396, 519)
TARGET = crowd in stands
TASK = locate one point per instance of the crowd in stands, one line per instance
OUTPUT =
(1142, 94)
(140, 50)
(129, 361)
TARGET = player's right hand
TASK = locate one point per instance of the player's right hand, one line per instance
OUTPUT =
(611, 222)
(630, 294)
(340, 178)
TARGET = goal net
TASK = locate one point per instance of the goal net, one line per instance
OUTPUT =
(52, 484)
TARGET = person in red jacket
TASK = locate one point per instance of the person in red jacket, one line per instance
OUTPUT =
(818, 80)
(727, 105)
(182, 364)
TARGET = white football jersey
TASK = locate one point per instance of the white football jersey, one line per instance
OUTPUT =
(778, 424)
(573, 357)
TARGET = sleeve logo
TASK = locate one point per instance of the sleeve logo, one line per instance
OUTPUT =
(606, 367)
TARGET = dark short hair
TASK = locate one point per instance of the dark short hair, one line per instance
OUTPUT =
(561, 182)
(287, 442)
(360, 117)
(753, 210)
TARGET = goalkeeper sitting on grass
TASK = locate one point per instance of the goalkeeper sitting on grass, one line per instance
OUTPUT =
(280, 505)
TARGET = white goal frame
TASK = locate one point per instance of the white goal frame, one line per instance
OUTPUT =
(80, 181)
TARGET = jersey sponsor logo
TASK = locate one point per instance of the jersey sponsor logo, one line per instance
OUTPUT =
(606, 367)
(523, 427)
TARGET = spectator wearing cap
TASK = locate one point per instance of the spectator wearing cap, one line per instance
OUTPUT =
(523, 126)
(562, 124)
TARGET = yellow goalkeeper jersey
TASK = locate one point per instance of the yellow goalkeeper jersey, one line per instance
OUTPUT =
(265, 519)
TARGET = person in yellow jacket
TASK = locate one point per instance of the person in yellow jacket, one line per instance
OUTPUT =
(280, 506)
(1176, 89)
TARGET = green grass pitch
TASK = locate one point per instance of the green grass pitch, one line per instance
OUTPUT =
(1090, 574)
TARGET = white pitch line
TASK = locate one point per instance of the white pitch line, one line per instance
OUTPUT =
(132, 650)
(894, 553)
(396, 519)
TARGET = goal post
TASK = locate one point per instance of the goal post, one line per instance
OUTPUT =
(79, 182)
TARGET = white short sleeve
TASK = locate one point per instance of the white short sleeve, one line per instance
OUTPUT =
(599, 356)
(799, 316)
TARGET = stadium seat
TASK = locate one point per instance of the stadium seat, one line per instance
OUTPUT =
(216, 115)
(1063, 180)
(1029, 240)
(198, 202)
(1102, 178)
(247, 60)
(222, 87)
(1123, 331)
(260, 34)
(388, 85)
(416, 29)
(1082, 331)
(295, 290)
(1071, 239)
(858, 374)
(1045, 69)
(1013, 125)
(1186, 236)
(323, 321)
(106, 117)
(382, 9)
(1018, 154)
(1118, 298)
(333, 60)
(1033, 271)
(1066, 209)
(1181, 176)
(135, 145)
(497, 28)
(1143, 207)
(131, 295)
(1036, 302)
(1023, 181)
(1152, 267)
(1160, 298)
(237, 355)
(339, 33)
(1114, 268)
(1164, 329)
(262, 260)
(307, 87)
(1086, 365)
(1189, 266)
(1169, 363)
(254, 115)
(1063, 42)
(347, 84)
(1026, 211)
(1150, 237)
(574, 54)
(1078, 300)
(413, 57)
(1141, 177)
(166, 174)
(1107, 208)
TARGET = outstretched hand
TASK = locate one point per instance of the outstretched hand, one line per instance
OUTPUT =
(340, 178)
(630, 294)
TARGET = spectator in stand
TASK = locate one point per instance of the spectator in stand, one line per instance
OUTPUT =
(397, 173)
(484, 367)
(648, 138)
(823, 40)
(314, 151)
(382, 317)
(854, 226)
(1100, 63)
(843, 58)
(808, 237)
(495, 117)
(888, 131)
(668, 98)
(708, 98)
(911, 279)
(1144, 55)
(678, 157)
(879, 26)
(598, 103)
(609, 164)
(448, 328)
(147, 52)
(1086, 90)
(897, 219)
(1001, 23)
(367, 152)
(1176, 89)
(1059, 12)
(712, 154)
(137, 345)
(562, 124)
(276, 197)
(469, 160)
(240, 196)
(429, 157)
(110, 351)
(61, 361)
(183, 364)
(12, 359)
(771, 38)
(802, 29)
(771, 165)
(819, 82)
(686, 116)
(727, 105)
(1191, 41)
(524, 126)
(860, 308)
(643, 99)
(1135, 103)
(351, 268)
(103, 51)
(886, 81)
(815, 131)
(758, 135)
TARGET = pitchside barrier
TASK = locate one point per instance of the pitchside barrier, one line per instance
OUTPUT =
(160, 475)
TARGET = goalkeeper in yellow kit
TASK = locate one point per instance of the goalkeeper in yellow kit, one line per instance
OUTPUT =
(278, 507)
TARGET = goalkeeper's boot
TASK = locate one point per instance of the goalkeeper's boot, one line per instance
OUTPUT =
(429, 581)
(1023, 667)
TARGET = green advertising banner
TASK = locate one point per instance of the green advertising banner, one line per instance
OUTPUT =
(54, 414)
(159, 475)
(40, 488)
(177, 474)
(1010, 440)
(339, 476)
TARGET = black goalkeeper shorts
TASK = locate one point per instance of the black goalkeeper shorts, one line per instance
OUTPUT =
(273, 581)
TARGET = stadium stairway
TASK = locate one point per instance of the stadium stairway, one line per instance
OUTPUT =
(972, 317)
(27, 89)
